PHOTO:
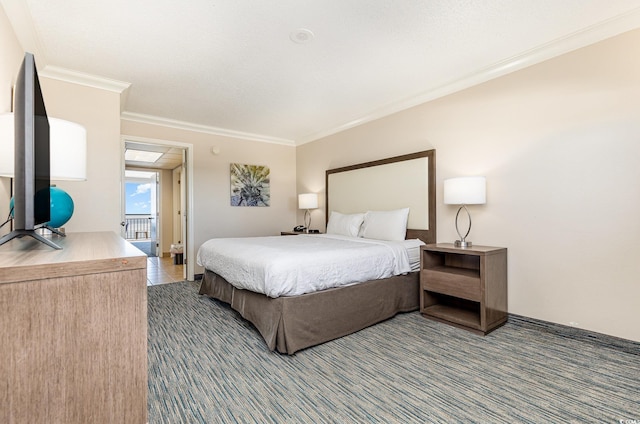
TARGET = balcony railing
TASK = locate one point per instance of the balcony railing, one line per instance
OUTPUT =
(137, 227)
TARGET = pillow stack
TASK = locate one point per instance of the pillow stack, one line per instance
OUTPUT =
(379, 225)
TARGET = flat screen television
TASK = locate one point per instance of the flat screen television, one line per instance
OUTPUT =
(31, 198)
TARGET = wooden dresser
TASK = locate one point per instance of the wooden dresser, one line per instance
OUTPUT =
(73, 331)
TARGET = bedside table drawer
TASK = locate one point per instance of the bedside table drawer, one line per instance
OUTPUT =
(459, 284)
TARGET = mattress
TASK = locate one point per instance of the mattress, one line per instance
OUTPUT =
(294, 265)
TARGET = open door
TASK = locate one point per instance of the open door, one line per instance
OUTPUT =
(179, 207)
(141, 220)
(154, 218)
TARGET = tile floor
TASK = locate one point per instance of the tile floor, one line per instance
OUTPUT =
(163, 271)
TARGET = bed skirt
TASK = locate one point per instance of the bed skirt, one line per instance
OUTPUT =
(289, 324)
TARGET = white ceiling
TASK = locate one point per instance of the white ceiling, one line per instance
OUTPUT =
(230, 67)
(171, 156)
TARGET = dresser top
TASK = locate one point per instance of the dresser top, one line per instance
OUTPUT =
(25, 258)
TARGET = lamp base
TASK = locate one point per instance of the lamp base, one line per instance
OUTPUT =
(462, 244)
(307, 220)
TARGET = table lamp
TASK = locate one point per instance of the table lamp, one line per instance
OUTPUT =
(465, 191)
(307, 201)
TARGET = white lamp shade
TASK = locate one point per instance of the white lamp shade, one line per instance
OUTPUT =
(307, 201)
(6, 145)
(67, 146)
(465, 191)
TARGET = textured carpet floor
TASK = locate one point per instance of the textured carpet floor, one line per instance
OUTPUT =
(145, 246)
(208, 365)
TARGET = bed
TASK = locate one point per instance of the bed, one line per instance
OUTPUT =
(291, 319)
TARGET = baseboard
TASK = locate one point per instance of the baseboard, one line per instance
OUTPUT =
(603, 340)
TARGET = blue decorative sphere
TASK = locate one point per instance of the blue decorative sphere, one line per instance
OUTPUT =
(61, 207)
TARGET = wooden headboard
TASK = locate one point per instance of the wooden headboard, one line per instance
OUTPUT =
(386, 184)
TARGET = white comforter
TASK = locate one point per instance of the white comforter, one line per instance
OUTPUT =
(293, 265)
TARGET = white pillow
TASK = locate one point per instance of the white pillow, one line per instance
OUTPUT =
(344, 224)
(385, 225)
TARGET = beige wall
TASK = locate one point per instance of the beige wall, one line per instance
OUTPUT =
(559, 143)
(11, 55)
(96, 200)
(213, 215)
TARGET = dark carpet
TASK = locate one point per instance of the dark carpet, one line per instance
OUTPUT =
(145, 246)
(208, 365)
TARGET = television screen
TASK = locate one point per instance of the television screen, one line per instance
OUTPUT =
(42, 202)
(32, 203)
(31, 198)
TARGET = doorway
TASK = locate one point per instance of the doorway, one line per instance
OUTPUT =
(142, 219)
(157, 180)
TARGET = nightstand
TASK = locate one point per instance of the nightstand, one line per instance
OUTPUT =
(294, 233)
(464, 287)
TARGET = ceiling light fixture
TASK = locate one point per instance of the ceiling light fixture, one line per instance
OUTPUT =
(301, 36)
(142, 156)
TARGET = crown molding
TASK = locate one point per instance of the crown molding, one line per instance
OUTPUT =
(81, 78)
(585, 37)
(20, 19)
(188, 126)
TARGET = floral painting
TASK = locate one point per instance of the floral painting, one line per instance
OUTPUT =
(250, 185)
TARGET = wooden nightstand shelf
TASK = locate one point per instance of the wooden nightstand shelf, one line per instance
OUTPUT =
(464, 287)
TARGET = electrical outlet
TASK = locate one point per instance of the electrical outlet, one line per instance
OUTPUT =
(573, 324)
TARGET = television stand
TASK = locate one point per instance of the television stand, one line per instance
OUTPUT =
(31, 233)
(53, 230)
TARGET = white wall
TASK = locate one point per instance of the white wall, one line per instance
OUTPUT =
(559, 143)
(10, 58)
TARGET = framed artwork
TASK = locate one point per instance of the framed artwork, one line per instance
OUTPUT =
(250, 185)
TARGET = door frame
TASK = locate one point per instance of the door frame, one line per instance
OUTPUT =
(188, 230)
